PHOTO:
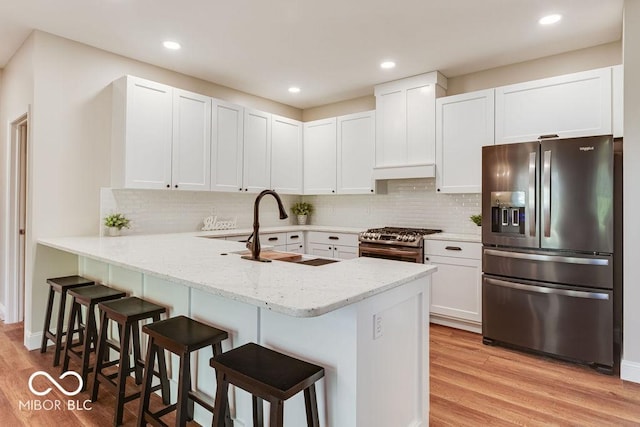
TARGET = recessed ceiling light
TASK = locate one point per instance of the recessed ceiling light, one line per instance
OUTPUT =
(171, 45)
(550, 19)
(387, 64)
(294, 89)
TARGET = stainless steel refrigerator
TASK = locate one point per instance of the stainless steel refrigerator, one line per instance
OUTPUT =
(551, 239)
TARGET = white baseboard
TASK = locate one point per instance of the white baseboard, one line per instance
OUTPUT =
(2, 312)
(456, 323)
(32, 340)
(630, 371)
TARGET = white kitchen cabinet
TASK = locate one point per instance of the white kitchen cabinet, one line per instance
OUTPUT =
(277, 240)
(405, 126)
(464, 124)
(572, 105)
(320, 156)
(295, 242)
(618, 101)
(141, 134)
(227, 136)
(456, 288)
(191, 146)
(332, 245)
(286, 155)
(355, 153)
(256, 166)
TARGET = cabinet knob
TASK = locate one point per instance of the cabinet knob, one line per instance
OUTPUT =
(333, 191)
(371, 190)
(239, 189)
(246, 189)
(168, 186)
(426, 258)
(176, 186)
(438, 189)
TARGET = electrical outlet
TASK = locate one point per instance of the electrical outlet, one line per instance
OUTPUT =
(377, 326)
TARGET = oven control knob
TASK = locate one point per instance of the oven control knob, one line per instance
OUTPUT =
(412, 238)
(399, 238)
(405, 238)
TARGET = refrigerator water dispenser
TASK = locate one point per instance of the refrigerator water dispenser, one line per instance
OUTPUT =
(507, 212)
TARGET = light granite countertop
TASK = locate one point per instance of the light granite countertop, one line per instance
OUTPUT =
(277, 229)
(211, 265)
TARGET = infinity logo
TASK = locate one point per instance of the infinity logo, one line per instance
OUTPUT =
(55, 383)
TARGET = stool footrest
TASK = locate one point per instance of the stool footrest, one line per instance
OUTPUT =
(202, 399)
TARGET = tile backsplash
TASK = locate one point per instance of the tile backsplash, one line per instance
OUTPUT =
(409, 203)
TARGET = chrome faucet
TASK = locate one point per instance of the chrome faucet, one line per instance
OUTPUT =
(254, 245)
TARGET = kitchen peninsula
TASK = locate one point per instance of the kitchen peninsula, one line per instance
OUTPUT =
(364, 320)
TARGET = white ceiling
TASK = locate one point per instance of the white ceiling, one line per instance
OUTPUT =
(329, 48)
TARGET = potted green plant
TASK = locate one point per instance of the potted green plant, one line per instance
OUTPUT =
(116, 222)
(302, 210)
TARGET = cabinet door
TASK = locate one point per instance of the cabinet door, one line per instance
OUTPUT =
(296, 248)
(421, 113)
(391, 127)
(256, 175)
(464, 124)
(320, 157)
(568, 106)
(456, 288)
(320, 249)
(618, 101)
(345, 252)
(286, 155)
(148, 134)
(191, 159)
(356, 152)
(227, 130)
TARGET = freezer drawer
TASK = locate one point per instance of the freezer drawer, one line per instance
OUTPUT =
(570, 322)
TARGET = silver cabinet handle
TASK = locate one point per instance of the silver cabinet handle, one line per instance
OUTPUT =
(546, 193)
(548, 258)
(545, 290)
(533, 158)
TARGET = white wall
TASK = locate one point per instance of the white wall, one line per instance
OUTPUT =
(630, 369)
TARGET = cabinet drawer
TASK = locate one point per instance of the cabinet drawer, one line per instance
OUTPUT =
(273, 239)
(470, 250)
(294, 237)
(343, 239)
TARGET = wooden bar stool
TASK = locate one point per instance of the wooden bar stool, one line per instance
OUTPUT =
(127, 313)
(268, 375)
(181, 336)
(59, 285)
(89, 297)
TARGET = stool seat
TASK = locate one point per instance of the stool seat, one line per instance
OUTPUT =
(89, 297)
(127, 313)
(268, 375)
(181, 336)
(60, 285)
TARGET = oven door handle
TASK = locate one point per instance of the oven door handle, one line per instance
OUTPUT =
(545, 290)
(388, 251)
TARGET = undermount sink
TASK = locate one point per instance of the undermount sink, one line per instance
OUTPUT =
(291, 257)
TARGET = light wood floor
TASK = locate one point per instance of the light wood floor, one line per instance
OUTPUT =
(471, 385)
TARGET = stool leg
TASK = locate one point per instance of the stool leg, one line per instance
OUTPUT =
(164, 380)
(60, 328)
(137, 358)
(184, 383)
(97, 369)
(311, 405)
(276, 418)
(47, 321)
(217, 349)
(123, 373)
(222, 401)
(69, 341)
(90, 339)
(258, 417)
(146, 383)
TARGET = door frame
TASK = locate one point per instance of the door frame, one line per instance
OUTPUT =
(15, 256)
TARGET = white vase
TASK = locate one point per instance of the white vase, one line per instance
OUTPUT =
(479, 230)
(302, 219)
(114, 231)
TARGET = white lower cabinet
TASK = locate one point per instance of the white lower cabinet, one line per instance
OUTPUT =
(456, 288)
(295, 242)
(332, 245)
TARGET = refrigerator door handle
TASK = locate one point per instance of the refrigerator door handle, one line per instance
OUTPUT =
(546, 193)
(548, 258)
(532, 193)
(545, 290)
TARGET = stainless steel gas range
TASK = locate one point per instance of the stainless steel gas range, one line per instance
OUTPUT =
(396, 243)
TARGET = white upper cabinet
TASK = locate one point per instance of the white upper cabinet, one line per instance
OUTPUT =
(142, 134)
(320, 157)
(464, 124)
(405, 126)
(256, 175)
(286, 155)
(191, 159)
(618, 100)
(227, 130)
(356, 152)
(567, 106)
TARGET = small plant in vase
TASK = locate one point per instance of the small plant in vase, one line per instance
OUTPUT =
(302, 210)
(477, 220)
(116, 222)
